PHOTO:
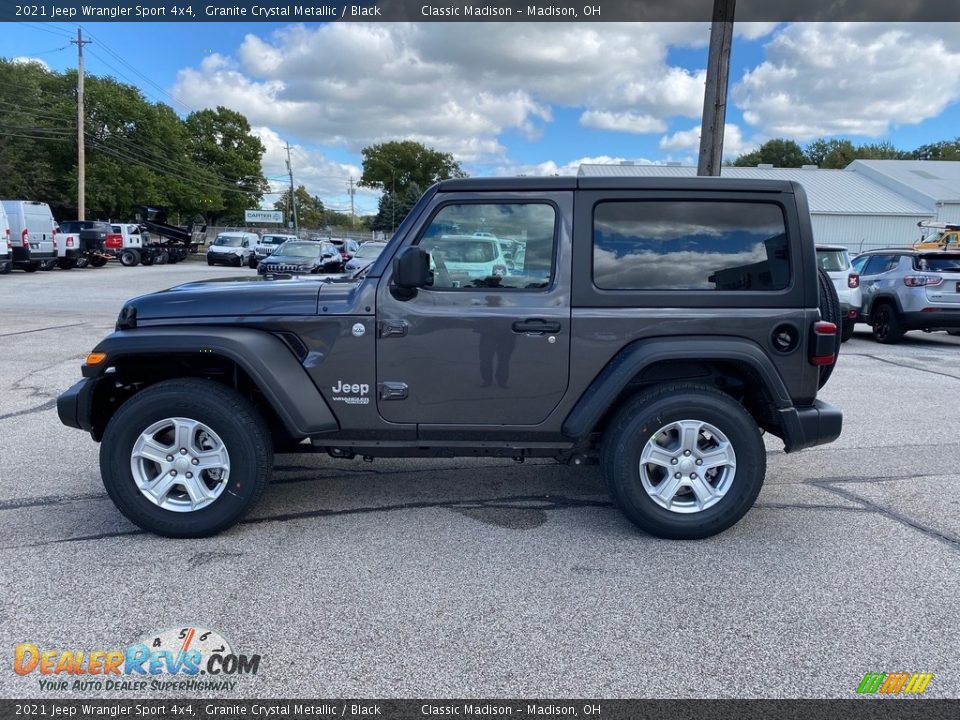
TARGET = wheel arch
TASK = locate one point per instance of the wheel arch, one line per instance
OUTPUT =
(254, 362)
(738, 367)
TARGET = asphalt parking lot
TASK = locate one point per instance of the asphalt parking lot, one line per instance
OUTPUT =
(485, 578)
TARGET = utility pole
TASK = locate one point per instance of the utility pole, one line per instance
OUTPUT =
(81, 145)
(715, 93)
(353, 216)
(293, 197)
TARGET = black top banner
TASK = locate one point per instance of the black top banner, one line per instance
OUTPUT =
(458, 11)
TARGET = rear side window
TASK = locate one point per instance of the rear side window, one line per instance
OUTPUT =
(941, 262)
(877, 264)
(833, 260)
(690, 245)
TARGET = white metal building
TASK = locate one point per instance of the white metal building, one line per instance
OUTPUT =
(934, 184)
(846, 208)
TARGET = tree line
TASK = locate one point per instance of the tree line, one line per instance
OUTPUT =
(836, 153)
(205, 166)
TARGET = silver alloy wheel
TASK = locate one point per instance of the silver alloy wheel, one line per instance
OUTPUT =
(687, 466)
(180, 464)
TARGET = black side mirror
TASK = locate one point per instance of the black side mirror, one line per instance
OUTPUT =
(411, 268)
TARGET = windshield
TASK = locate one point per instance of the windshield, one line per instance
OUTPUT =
(299, 249)
(369, 251)
(941, 262)
(274, 239)
(463, 251)
(833, 260)
(228, 241)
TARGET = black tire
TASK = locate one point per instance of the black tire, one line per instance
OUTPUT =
(129, 258)
(209, 260)
(98, 262)
(847, 330)
(162, 257)
(6, 267)
(147, 258)
(82, 262)
(31, 267)
(252, 262)
(830, 312)
(66, 263)
(48, 265)
(885, 323)
(231, 416)
(641, 419)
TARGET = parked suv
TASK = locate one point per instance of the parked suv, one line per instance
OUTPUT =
(834, 260)
(909, 289)
(233, 248)
(658, 326)
(266, 245)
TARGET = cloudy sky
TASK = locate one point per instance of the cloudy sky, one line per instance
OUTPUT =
(525, 98)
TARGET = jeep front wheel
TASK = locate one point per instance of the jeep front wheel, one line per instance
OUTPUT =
(186, 458)
(683, 461)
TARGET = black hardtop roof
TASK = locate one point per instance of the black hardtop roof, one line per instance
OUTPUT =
(506, 184)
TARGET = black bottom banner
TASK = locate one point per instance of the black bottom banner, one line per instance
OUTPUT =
(905, 709)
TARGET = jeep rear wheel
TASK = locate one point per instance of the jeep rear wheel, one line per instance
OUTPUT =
(683, 461)
(886, 324)
(829, 303)
(186, 458)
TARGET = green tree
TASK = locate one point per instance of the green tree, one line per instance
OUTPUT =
(221, 141)
(942, 150)
(394, 166)
(832, 153)
(778, 152)
(310, 210)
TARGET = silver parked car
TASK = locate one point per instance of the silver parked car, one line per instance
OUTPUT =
(906, 289)
(833, 259)
(364, 256)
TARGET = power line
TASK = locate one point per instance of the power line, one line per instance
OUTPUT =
(58, 31)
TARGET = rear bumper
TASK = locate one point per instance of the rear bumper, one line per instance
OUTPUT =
(940, 319)
(805, 427)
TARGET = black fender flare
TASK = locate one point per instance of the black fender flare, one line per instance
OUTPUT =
(264, 357)
(603, 392)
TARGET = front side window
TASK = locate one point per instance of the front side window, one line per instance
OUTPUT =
(689, 245)
(466, 244)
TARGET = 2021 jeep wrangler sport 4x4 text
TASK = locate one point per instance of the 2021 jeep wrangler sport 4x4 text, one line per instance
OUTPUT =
(654, 325)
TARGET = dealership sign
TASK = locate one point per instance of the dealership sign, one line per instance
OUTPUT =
(263, 216)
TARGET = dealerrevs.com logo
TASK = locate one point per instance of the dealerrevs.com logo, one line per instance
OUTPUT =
(189, 658)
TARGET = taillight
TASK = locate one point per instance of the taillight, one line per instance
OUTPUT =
(853, 281)
(70, 241)
(824, 343)
(54, 244)
(114, 242)
(921, 280)
(25, 238)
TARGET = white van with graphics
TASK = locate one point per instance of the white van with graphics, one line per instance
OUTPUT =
(31, 234)
(6, 262)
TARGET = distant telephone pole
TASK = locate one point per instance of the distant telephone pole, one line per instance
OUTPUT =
(715, 93)
(81, 144)
(353, 215)
(293, 197)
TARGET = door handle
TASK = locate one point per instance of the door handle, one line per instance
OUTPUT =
(536, 325)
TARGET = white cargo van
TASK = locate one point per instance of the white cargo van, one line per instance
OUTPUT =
(31, 234)
(6, 262)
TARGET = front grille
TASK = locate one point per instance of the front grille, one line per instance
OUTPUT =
(284, 268)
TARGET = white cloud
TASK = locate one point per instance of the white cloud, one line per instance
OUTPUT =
(24, 60)
(551, 167)
(455, 86)
(622, 122)
(851, 79)
(689, 140)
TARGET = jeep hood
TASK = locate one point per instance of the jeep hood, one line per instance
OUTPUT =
(239, 297)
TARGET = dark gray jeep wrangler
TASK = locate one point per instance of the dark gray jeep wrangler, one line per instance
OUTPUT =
(657, 326)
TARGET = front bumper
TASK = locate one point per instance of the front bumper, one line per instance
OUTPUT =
(805, 427)
(75, 406)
